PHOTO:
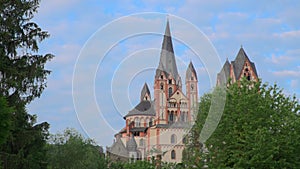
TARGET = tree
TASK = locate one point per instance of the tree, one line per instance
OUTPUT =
(22, 79)
(5, 120)
(259, 128)
(71, 150)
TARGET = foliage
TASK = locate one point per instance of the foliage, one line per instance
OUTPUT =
(22, 78)
(71, 150)
(145, 165)
(24, 147)
(5, 119)
(258, 129)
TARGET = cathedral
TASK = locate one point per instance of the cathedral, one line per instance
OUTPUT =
(240, 68)
(156, 126)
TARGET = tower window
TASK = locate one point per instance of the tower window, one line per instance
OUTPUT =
(192, 78)
(137, 122)
(170, 91)
(173, 139)
(161, 76)
(170, 81)
(173, 155)
(192, 87)
(171, 117)
(141, 142)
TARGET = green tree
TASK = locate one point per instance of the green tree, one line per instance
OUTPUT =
(22, 78)
(259, 128)
(5, 119)
(70, 150)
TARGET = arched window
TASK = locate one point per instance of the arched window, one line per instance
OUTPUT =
(192, 87)
(173, 155)
(151, 121)
(141, 142)
(173, 139)
(171, 117)
(137, 122)
(147, 122)
(170, 91)
(161, 86)
(181, 116)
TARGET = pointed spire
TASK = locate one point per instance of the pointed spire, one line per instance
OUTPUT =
(167, 61)
(145, 91)
(190, 71)
(167, 31)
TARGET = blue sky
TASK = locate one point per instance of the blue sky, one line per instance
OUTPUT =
(269, 32)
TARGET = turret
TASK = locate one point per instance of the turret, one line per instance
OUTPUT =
(191, 82)
(145, 93)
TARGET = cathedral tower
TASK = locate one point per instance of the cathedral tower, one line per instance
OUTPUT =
(191, 82)
(167, 79)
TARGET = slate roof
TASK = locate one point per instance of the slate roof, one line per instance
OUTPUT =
(224, 74)
(118, 148)
(145, 90)
(191, 70)
(131, 144)
(145, 108)
(138, 129)
(174, 125)
(239, 61)
(167, 61)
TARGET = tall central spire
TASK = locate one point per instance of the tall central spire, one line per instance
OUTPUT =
(167, 61)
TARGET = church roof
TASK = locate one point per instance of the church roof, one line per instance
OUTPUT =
(224, 74)
(138, 129)
(145, 108)
(118, 148)
(145, 91)
(190, 70)
(167, 61)
(131, 144)
(239, 61)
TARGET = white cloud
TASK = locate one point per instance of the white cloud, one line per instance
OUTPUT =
(289, 73)
(288, 34)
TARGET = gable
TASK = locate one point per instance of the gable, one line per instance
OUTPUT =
(178, 95)
(248, 69)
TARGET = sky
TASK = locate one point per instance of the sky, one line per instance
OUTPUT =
(106, 50)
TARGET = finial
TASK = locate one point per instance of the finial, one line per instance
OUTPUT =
(241, 46)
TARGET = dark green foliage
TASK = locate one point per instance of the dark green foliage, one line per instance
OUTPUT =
(5, 119)
(258, 129)
(70, 150)
(155, 164)
(24, 147)
(22, 78)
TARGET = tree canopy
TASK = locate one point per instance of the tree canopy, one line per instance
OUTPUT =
(260, 128)
(71, 150)
(22, 79)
